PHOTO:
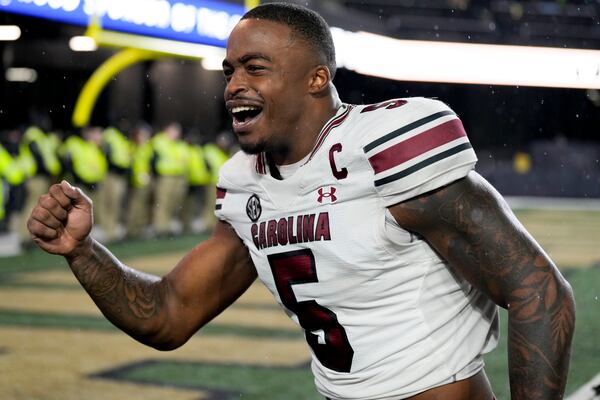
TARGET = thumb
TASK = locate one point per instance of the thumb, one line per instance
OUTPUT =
(76, 195)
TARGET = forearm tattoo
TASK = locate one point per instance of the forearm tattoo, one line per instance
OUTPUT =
(125, 296)
(483, 240)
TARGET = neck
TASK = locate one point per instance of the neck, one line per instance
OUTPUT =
(320, 111)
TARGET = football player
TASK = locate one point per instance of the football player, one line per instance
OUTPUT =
(368, 224)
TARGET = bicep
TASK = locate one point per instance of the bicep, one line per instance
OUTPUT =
(208, 279)
(471, 226)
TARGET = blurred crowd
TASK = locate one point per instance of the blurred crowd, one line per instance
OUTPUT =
(143, 183)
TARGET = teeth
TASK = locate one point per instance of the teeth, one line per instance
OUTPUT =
(243, 108)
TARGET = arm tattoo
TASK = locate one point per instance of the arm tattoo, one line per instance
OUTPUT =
(481, 238)
(125, 296)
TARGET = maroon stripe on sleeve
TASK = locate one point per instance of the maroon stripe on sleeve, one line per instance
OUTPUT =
(417, 145)
(221, 193)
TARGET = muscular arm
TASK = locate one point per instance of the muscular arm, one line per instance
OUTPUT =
(165, 312)
(470, 225)
(160, 312)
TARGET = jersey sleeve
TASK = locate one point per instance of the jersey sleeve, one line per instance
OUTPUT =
(219, 200)
(417, 150)
(223, 188)
(235, 177)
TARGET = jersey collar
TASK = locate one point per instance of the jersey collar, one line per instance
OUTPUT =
(261, 163)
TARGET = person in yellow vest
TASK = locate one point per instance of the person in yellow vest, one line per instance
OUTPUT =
(170, 166)
(215, 153)
(14, 172)
(42, 168)
(198, 178)
(5, 160)
(85, 162)
(138, 207)
(12, 175)
(117, 150)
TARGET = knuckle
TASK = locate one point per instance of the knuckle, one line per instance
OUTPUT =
(54, 189)
(42, 214)
(46, 233)
(56, 193)
(35, 213)
(60, 213)
(46, 201)
(43, 198)
(33, 226)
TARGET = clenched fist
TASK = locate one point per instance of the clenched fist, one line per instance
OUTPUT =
(62, 220)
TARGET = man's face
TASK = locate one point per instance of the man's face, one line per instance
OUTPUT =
(267, 75)
(93, 134)
(173, 131)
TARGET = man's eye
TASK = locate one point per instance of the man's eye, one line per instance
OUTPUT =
(254, 68)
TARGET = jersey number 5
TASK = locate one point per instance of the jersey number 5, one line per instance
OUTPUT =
(323, 332)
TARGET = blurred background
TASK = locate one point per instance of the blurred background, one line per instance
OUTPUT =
(124, 98)
(532, 112)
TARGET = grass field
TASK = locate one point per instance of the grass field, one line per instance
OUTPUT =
(54, 343)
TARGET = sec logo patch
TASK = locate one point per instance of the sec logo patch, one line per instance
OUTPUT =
(253, 208)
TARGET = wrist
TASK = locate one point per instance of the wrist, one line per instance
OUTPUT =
(82, 249)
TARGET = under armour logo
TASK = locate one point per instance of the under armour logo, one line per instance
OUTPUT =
(327, 195)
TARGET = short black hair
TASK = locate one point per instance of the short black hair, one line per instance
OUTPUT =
(305, 23)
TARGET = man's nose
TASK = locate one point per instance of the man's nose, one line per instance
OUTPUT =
(237, 84)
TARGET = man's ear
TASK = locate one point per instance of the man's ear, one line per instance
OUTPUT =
(319, 80)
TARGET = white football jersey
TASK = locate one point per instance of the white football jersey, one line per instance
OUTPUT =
(384, 316)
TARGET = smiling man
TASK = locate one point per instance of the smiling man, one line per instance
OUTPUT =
(281, 88)
(366, 222)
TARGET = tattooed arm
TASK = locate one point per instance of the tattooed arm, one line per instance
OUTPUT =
(471, 226)
(160, 312)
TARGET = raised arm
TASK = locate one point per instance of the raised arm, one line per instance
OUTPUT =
(160, 312)
(472, 227)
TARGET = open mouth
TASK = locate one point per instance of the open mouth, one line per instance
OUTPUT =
(244, 115)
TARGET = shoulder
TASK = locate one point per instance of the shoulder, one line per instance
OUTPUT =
(237, 170)
(404, 114)
(237, 179)
(405, 105)
(413, 145)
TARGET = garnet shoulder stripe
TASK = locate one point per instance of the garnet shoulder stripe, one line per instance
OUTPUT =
(420, 165)
(405, 129)
(419, 144)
